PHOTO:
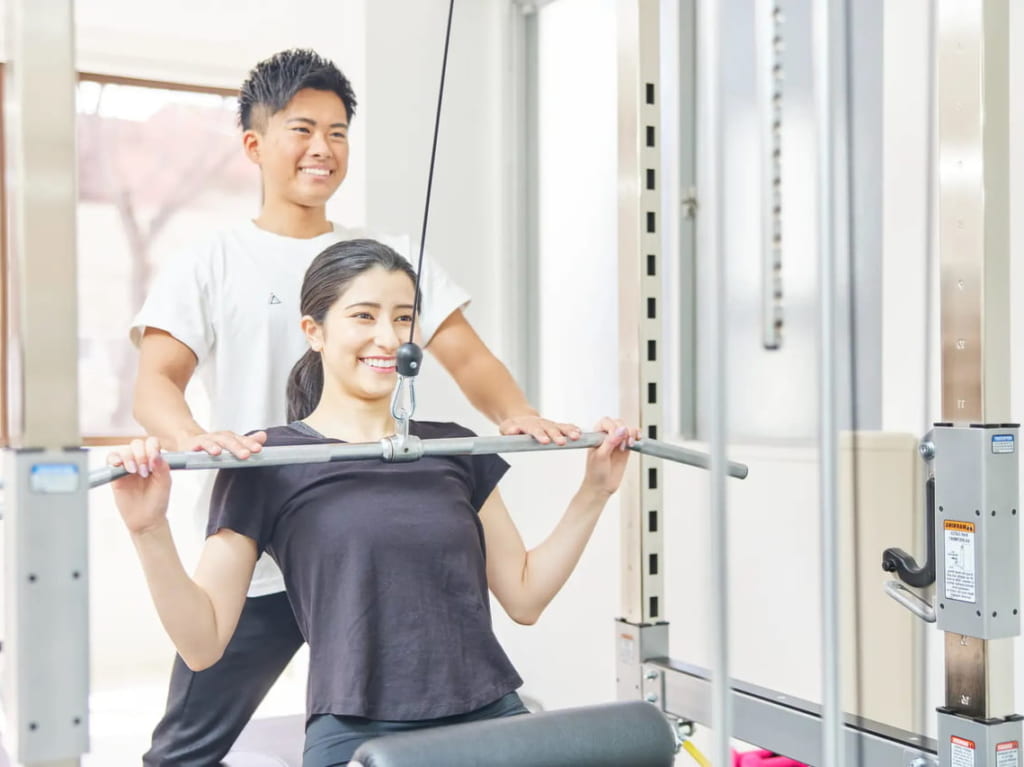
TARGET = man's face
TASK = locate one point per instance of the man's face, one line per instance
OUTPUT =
(302, 150)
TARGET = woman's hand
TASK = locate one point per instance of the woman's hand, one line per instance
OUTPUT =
(606, 463)
(142, 495)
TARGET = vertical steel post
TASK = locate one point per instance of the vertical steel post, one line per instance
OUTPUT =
(972, 49)
(830, 92)
(46, 677)
(711, 242)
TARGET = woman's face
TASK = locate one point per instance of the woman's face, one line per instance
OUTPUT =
(362, 331)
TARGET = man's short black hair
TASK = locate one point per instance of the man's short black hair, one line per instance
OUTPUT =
(274, 82)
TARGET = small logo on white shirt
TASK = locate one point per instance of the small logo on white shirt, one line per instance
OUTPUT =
(273, 299)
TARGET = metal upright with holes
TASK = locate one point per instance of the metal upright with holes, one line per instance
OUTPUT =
(977, 527)
(46, 669)
(640, 632)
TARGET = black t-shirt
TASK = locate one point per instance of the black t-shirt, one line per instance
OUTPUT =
(384, 564)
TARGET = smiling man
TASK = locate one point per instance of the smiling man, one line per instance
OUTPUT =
(228, 309)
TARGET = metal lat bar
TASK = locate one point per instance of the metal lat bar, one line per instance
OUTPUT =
(326, 453)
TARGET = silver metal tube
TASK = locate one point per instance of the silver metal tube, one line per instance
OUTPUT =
(711, 230)
(268, 456)
(828, 41)
(326, 453)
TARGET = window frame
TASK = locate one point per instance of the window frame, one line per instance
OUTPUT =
(103, 79)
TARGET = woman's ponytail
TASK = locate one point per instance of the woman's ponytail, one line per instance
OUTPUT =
(305, 386)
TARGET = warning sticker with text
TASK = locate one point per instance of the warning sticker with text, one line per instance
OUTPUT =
(960, 571)
(1008, 754)
(961, 752)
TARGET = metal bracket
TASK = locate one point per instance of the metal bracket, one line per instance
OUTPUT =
(913, 602)
(400, 448)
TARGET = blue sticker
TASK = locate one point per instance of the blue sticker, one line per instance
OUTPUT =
(1002, 443)
(54, 478)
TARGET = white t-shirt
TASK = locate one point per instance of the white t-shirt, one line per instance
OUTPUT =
(233, 299)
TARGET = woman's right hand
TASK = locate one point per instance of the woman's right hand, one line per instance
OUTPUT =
(142, 495)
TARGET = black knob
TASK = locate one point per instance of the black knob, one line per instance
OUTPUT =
(408, 360)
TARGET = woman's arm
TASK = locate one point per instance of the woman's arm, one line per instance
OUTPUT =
(199, 614)
(524, 582)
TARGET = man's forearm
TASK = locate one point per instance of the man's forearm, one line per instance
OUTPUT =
(161, 410)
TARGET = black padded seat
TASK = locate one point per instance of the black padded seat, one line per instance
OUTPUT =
(633, 733)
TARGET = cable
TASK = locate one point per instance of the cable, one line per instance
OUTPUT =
(693, 751)
(409, 355)
(430, 173)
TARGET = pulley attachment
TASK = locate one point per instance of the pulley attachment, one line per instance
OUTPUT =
(408, 360)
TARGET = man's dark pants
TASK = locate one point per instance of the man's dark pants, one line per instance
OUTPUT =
(206, 710)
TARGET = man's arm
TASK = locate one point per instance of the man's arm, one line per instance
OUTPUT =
(488, 385)
(166, 365)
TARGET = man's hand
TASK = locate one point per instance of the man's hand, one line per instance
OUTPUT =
(542, 430)
(215, 442)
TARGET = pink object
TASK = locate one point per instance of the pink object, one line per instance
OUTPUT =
(762, 759)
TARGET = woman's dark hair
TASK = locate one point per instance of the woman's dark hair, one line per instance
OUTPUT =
(328, 277)
(274, 82)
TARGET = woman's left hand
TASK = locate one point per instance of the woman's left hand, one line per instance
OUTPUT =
(606, 463)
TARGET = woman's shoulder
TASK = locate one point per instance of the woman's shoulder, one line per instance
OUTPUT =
(296, 433)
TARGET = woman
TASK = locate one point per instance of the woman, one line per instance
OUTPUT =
(387, 566)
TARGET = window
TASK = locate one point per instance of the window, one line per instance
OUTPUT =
(158, 166)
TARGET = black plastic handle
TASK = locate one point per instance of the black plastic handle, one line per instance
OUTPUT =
(905, 566)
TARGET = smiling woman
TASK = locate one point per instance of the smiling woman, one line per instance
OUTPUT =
(390, 556)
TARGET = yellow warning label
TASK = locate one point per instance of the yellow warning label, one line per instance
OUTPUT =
(960, 571)
(967, 527)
